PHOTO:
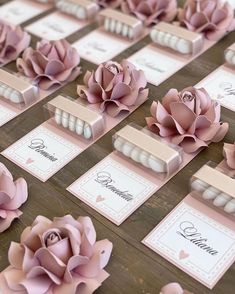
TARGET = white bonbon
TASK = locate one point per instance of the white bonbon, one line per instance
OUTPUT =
(199, 185)
(221, 199)
(210, 193)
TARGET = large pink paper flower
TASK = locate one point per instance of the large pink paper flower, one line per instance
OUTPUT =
(173, 288)
(229, 154)
(109, 3)
(151, 11)
(52, 63)
(13, 40)
(189, 118)
(114, 87)
(57, 257)
(12, 196)
(212, 17)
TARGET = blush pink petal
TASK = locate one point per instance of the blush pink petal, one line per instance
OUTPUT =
(172, 288)
(10, 216)
(229, 154)
(74, 262)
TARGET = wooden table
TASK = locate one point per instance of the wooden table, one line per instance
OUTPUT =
(133, 267)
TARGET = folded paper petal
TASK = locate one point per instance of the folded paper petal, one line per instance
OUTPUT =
(189, 118)
(151, 12)
(52, 63)
(59, 256)
(213, 18)
(114, 87)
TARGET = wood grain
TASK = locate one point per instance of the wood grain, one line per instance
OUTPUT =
(133, 267)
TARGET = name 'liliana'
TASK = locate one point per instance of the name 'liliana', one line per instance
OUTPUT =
(189, 232)
(104, 178)
(38, 146)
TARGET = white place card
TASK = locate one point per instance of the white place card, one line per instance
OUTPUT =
(99, 46)
(220, 84)
(6, 115)
(113, 190)
(19, 11)
(156, 65)
(195, 242)
(42, 152)
(55, 26)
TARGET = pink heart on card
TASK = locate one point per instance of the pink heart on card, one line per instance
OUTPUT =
(100, 198)
(183, 254)
(29, 160)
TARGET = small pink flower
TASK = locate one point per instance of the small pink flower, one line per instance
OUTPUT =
(52, 63)
(57, 257)
(109, 3)
(189, 118)
(229, 154)
(213, 18)
(114, 87)
(151, 11)
(13, 40)
(12, 196)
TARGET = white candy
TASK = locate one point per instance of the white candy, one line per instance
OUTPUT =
(16, 97)
(210, 193)
(135, 154)
(199, 185)
(221, 199)
(72, 123)
(156, 164)
(125, 30)
(79, 127)
(87, 131)
(153, 35)
(106, 24)
(173, 42)
(144, 158)
(118, 143)
(166, 39)
(160, 38)
(230, 206)
(183, 46)
(127, 148)
(118, 28)
(229, 56)
(112, 25)
(130, 33)
(65, 119)
(58, 117)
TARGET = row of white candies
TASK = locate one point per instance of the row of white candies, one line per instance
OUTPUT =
(10, 94)
(138, 155)
(72, 8)
(211, 193)
(74, 124)
(168, 40)
(117, 27)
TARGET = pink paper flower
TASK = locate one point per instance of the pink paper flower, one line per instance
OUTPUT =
(109, 3)
(173, 288)
(57, 257)
(229, 154)
(189, 118)
(12, 196)
(13, 40)
(151, 11)
(114, 87)
(212, 17)
(52, 63)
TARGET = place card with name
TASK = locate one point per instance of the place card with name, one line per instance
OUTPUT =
(113, 190)
(20, 11)
(220, 84)
(197, 239)
(42, 152)
(55, 26)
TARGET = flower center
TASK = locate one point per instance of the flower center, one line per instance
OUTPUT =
(187, 97)
(114, 69)
(52, 238)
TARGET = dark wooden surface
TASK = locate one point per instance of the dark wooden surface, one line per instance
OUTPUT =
(133, 267)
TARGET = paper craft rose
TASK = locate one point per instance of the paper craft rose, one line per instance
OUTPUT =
(188, 118)
(13, 41)
(213, 18)
(109, 3)
(52, 63)
(173, 288)
(114, 87)
(229, 154)
(151, 11)
(12, 196)
(57, 257)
